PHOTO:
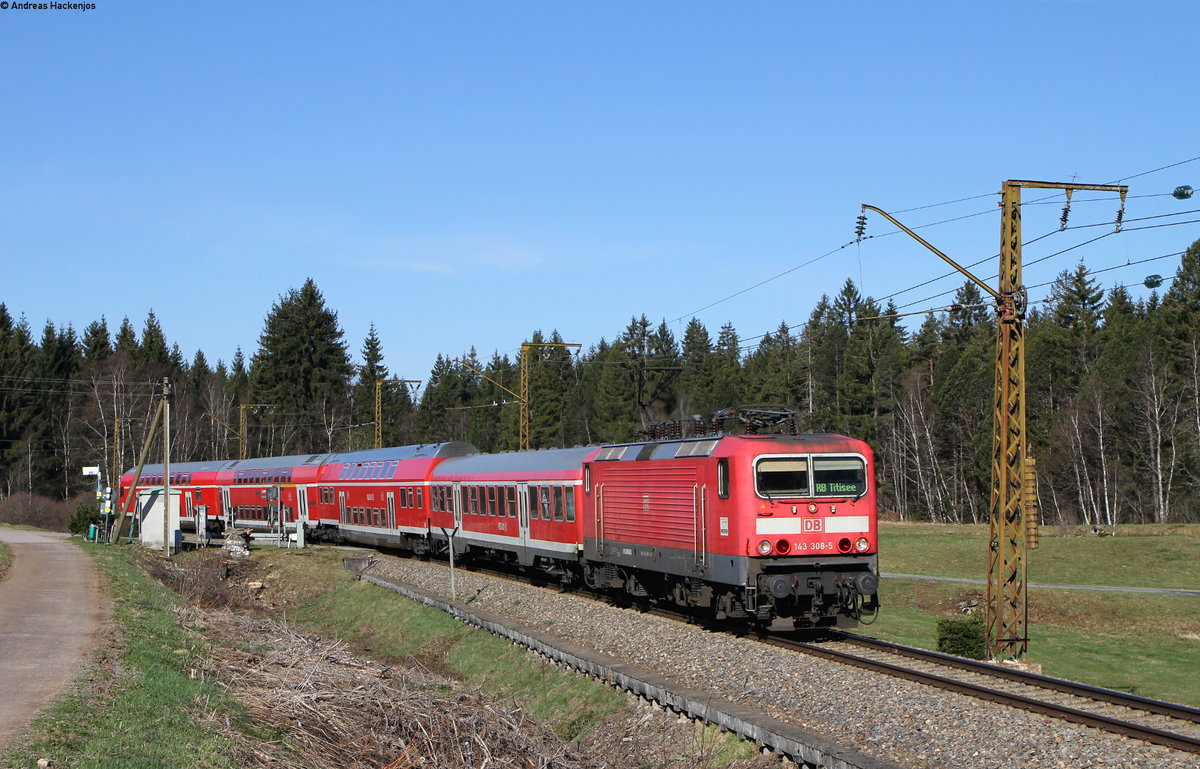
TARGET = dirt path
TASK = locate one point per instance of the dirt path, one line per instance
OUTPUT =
(50, 610)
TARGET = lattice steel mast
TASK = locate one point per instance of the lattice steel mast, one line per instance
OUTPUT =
(1013, 516)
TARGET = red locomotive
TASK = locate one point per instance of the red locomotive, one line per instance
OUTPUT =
(752, 526)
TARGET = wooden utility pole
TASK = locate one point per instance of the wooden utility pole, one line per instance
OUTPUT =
(168, 393)
(118, 529)
(1013, 518)
(379, 406)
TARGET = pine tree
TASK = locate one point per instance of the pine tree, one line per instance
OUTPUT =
(302, 369)
(613, 415)
(17, 361)
(727, 389)
(126, 342)
(153, 357)
(371, 371)
(97, 346)
(698, 379)
(434, 422)
(768, 370)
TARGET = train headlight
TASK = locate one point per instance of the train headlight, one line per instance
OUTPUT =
(861, 544)
(764, 547)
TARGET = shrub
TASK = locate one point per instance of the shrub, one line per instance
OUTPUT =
(37, 511)
(962, 636)
(85, 515)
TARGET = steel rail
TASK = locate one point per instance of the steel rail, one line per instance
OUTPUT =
(1098, 693)
(1063, 712)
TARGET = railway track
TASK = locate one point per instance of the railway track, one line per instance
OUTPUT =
(1154, 721)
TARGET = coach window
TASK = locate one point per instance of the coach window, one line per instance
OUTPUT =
(570, 500)
(472, 500)
(420, 499)
(544, 494)
(723, 478)
(510, 492)
(558, 503)
(491, 501)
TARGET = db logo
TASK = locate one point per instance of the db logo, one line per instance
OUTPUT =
(813, 524)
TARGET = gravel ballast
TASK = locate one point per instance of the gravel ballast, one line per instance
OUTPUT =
(894, 720)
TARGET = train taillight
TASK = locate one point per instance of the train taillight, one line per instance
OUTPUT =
(844, 545)
(783, 546)
(861, 544)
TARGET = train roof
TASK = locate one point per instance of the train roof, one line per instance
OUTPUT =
(517, 461)
(418, 451)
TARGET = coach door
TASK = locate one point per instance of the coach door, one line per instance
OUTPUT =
(523, 553)
(458, 506)
(391, 510)
(301, 506)
(226, 508)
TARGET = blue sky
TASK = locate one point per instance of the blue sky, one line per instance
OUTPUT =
(463, 174)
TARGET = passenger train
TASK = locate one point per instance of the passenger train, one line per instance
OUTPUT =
(750, 527)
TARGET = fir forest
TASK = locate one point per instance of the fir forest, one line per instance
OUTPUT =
(1113, 398)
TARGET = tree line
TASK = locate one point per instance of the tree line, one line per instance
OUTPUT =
(1113, 394)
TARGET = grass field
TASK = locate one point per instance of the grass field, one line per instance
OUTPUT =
(136, 706)
(1141, 643)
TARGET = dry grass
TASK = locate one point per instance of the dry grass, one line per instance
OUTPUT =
(25, 509)
(313, 701)
(323, 706)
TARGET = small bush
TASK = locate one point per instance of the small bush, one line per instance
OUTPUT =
(962, 636)
(85, 515)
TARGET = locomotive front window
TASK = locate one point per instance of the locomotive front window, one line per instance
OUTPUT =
(839, 477)
(782, 477)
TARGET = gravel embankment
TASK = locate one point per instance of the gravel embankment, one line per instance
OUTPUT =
(894, 720)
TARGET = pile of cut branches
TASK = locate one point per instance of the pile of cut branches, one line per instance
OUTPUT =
(313, 704)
